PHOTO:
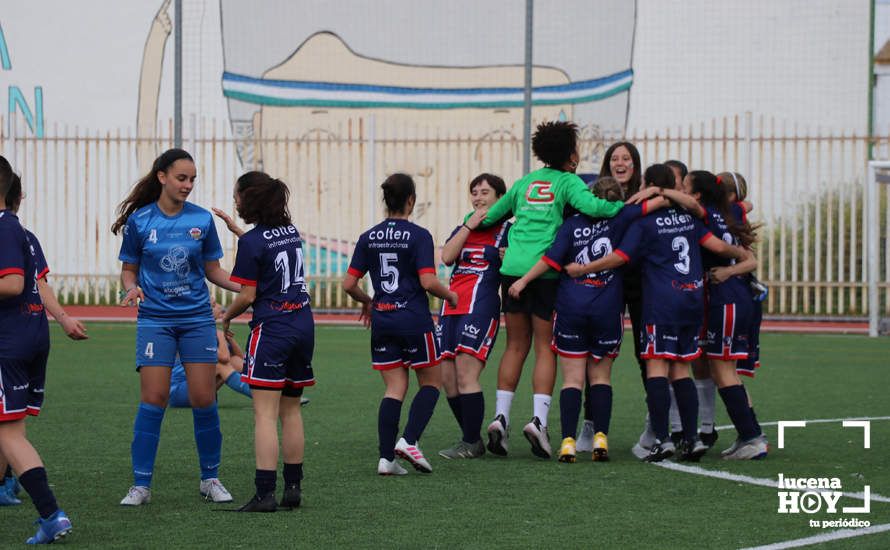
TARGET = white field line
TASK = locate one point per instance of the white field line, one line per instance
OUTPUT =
(826, 537)
(814, 421)
(761, 481)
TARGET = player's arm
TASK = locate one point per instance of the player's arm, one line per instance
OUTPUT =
(350, 286)
(684, 201)
(540, 267)
(719, 274)
(500, 209)
(452, 248)
(72, 327)
(612, 261)
(246, 296)
(430, 283)
(220, 277)
(222, 349)
(130, 283)
(747, 206)
(11, 284)
(722, 248)
(233, 345)
(230, 223)
(579, 196)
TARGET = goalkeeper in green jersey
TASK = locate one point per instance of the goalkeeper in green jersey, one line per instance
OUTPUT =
(537, 201)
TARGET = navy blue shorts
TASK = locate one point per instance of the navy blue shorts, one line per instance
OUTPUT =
(726, 337)
(158, 346)
(473, 334)
(279, 356)
(21, 386)
(391, 351)
(582, 336)
(671, 342)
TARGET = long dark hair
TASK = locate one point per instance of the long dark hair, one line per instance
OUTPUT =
(714, 194)
(263, 199)
(554, 142)
(148, 189)
(636, 179)
(397, 189)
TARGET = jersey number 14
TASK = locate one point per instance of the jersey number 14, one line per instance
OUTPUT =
(282, 264)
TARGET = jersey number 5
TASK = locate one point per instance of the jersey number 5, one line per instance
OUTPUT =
(282, 263)
(389, 273)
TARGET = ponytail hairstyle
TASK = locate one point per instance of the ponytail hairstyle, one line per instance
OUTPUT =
(608, 188)
(660, 175)
(554, 142)
(10, 185)
(736, 183)
(397, 190)
(262, 199)
(148, 189)
(714, 194)
(636, 179)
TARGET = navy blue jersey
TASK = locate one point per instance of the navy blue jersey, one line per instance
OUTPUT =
(395, 253)
(667, 244)
(271, 259)
(171, 252)
(476, 276)
(582, 239)
(24, 329)
(734, 289)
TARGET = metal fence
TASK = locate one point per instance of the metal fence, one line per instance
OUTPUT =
(806, 185)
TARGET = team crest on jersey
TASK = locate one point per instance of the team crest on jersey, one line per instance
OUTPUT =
(539, 192)
(195, 232)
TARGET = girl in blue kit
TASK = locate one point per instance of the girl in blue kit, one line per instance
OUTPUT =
(169, 247)
(398, 255)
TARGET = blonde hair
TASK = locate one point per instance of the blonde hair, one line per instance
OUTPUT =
(735, 182)
(608, 188)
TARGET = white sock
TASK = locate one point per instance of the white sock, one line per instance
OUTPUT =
(674, 413)
(503, 403)
(542, 407)
(707, 393)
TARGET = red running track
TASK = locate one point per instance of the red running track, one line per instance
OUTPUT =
(118, 313)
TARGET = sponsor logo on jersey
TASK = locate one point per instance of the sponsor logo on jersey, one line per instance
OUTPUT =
(176, 261)
(196, 233)
(389, 234)
(687, 287)
(390, 306)
(672, 219)
(539, 192)
(471, 330)
(282, 231)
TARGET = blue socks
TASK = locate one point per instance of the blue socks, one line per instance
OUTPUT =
(234, 382)
(569, 409)
(687, 404)
(658, 399)
(388, 426)
(472, 412)
(742, 416)
(599, 401)
(144, 449)
(421, 411)
(208, 438)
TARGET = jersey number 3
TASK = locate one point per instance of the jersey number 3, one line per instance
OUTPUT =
(681, 246)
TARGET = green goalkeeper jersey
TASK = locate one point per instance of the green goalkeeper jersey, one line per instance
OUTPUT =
(537, 201)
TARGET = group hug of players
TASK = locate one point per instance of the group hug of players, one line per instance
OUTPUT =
(670, 247)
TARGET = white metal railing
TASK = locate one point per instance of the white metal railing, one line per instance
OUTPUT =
(809, 189)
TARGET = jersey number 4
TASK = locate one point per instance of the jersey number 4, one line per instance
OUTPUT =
(282, 264)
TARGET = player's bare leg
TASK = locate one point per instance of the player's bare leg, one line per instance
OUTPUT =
(519, 338)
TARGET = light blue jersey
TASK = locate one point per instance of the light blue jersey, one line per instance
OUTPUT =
(170, 252)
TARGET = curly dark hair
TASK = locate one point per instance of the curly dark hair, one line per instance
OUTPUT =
(554, 142)
(263, 199)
